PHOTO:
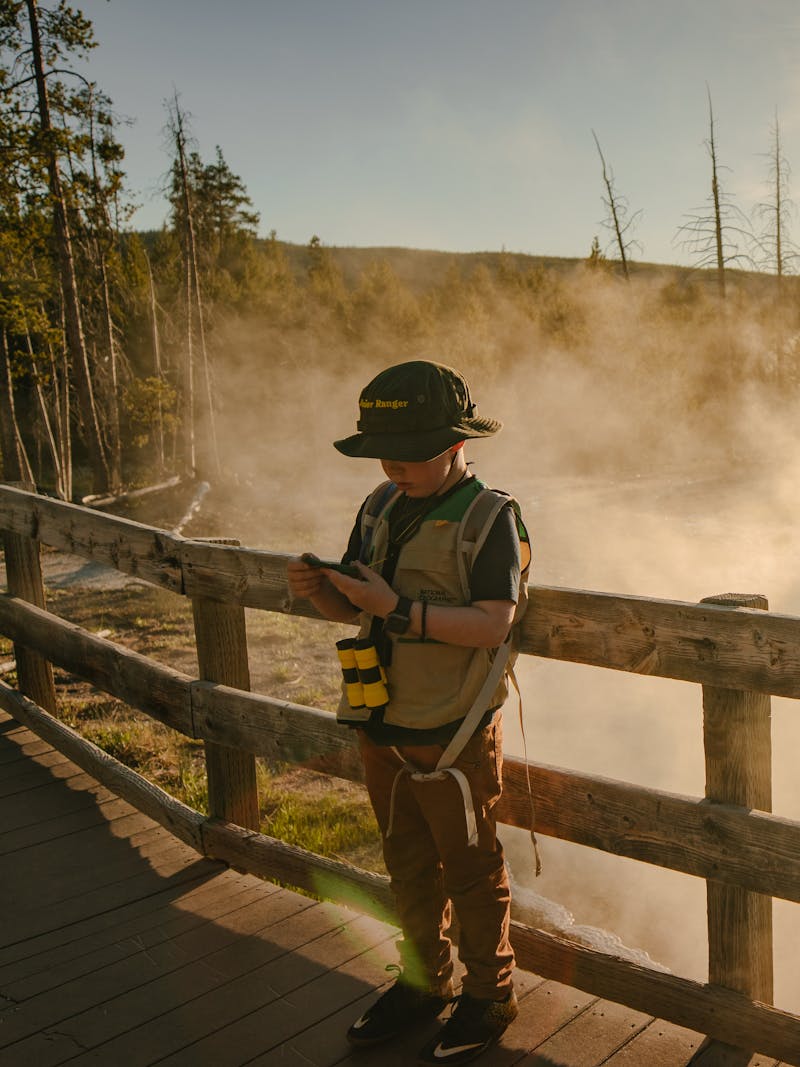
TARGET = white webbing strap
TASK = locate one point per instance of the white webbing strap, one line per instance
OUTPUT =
(437, 776)
(454, 749)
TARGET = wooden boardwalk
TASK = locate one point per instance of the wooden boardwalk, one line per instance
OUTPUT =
(119, 946)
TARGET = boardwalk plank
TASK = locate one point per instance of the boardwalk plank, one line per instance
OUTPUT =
(659, 1045)
(78, 792)
(718, 1054)
(591, 1037)
(311, 986)
(59, 826)
(115, 860)
(325, 1043)
(10, 754)
(98, 928)
(104, 919)
(320, 936)
(109, 898)
(27, 773)
(143, 941)
(133, 932)
(544, 1011)
(81, 1007)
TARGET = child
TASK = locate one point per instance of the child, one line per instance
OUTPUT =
(431, 739)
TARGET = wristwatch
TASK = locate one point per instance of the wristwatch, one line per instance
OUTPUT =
(398, 621)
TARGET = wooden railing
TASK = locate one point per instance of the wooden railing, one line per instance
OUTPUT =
(735, 649)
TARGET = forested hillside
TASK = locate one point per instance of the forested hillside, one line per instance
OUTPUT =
(128, 356)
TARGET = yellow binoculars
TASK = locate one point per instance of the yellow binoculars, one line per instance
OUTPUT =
(364, 677)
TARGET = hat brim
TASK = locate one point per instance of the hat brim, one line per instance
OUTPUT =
(416, 447)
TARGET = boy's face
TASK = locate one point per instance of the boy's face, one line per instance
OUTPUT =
(420, 479)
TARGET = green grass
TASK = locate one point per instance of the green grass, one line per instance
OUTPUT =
(327, 824)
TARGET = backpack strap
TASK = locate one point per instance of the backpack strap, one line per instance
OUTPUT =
(374, 506)
(474, 528)
(475, 714)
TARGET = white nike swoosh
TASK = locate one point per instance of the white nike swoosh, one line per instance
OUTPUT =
(361, 1022)
(441, 1053)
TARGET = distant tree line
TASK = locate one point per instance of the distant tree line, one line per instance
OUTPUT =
(119, 350)
(718, 234)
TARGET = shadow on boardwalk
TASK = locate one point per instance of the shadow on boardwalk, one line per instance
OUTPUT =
(119, 946)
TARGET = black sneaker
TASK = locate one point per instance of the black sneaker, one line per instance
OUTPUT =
(400, 1006)
(470, 1030)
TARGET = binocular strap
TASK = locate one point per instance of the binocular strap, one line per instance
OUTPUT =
(437, 776)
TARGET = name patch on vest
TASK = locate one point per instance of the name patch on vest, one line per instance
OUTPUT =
(435, 596)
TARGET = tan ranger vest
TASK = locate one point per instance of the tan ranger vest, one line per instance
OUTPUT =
(431, 683)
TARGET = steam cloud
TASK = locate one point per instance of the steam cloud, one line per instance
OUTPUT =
(649, 436)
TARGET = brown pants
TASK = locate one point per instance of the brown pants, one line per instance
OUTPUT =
(430, 863)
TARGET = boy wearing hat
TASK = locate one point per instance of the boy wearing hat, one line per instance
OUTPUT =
(442, 562)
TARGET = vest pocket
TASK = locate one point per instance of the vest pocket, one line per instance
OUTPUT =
(431, 684)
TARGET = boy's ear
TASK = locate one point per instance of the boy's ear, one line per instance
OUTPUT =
(456, 447)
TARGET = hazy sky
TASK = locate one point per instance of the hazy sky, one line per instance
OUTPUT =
(457, 124)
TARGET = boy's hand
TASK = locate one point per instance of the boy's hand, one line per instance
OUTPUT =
(370, 592)
(304, 581)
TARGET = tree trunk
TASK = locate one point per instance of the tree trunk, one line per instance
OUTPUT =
(16, 465)
(47, 426)
(202, 462)
(717, 208)
(157, 367)
(612, 204)
(66, 267)
(112, 414)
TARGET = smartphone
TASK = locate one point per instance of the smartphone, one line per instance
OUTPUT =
(343, 568)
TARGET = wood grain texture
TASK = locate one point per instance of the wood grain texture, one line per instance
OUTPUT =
(160, 691)
(737, 743)
(142, 551)
(720, 1013)
(221, 639)
(24, 577)
(707, 643)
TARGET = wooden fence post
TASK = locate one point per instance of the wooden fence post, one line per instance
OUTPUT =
(738, 750)
(24, 578)
(221, 638)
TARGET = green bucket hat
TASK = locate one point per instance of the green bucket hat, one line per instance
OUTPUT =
(413, 412)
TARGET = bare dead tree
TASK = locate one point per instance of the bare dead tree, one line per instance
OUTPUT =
(775, 249)
(711, 233)
(162, 463)
(194, 301)
(617, 220)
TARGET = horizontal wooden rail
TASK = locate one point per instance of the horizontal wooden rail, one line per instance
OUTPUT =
(732, 845)
(713, 644)
(128, 546)
(705, 643)
(160, 691)
(712, 1010)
